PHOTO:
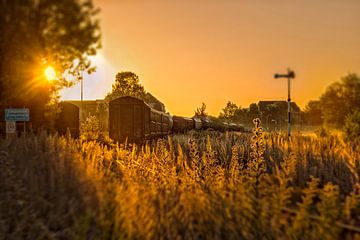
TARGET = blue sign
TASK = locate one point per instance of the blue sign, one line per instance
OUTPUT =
(17, 114)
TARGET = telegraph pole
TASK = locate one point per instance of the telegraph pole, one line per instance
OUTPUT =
(81, 96)
(290, 75)
(82, 87)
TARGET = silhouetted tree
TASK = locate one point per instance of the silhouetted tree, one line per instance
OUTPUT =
(234, 113)
(340, 99)
(253, 113)
(38, 33)
(254, 109)
(126, 84)
(230, 111)
(201, 111)
(273, 112)
(312, 113)
(352, 127)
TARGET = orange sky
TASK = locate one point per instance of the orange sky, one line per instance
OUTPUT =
(187, 52)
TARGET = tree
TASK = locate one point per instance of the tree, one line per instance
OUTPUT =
(229, 111)
(254, 109)
(201, 111)
(234, 113)
(273, 112)
(126, 84)
(352, 127)
(312, 113)
(39, 33)
(253, 113)
(91, 129)
(340, 99)
(276, 111)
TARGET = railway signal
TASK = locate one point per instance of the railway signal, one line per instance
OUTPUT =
(289, 76)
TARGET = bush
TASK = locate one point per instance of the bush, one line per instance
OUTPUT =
(200, 185)
(322, 132)
(352, 126)
(91, 130)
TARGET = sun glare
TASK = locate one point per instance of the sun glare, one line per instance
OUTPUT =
(50, 73)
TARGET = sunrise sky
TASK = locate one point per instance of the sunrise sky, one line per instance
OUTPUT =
(191, 51)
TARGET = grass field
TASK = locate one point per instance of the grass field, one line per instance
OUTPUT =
(202, 185)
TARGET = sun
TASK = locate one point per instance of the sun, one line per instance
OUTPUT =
(50, 73)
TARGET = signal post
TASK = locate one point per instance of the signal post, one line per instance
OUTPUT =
(290, 75)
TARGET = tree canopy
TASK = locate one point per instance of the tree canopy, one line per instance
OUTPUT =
(341, 99)
(201, 111)
(40, 33)
(230, 111)
(126, 84)
(352, 126)
(312, 113)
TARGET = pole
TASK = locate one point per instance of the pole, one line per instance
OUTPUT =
(82, 86)
(289, 108)
(24, 127)
(289, 76)
(81, 95)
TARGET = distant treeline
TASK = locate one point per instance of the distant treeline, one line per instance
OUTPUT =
(338, 103)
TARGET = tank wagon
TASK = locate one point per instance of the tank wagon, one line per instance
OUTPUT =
(68, 119)
(133, 119)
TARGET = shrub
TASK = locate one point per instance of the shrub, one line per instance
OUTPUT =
(190, 186)
(91, 130)
(352, 126)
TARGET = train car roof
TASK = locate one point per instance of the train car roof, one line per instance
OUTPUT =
(68, 103)
(131, 98)
(122, 98)
(135, 99)
(187, 118)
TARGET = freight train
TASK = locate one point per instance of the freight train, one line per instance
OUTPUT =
(134, 120)
(68, 120)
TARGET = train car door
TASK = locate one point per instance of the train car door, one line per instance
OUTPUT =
(138, 121)
(131, 121)
(126, 124)
(114, 116)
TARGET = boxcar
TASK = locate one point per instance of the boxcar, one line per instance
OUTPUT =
(236, 127)
(205, 122)
(182, 124)
(68, 119)
(133, 119)
(197, 123)
(233, 127)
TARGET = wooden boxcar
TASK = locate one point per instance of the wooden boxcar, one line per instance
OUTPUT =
(132, 119)
(182, 124)
(236, 127)
(68, 120)
(197, 123)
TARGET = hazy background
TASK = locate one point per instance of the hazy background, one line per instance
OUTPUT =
(187, 52)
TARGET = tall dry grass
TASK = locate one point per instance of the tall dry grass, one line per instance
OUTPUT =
(199, 185)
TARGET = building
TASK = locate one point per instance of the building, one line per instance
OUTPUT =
(100, 109)
(275, 113)
(264, 105)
